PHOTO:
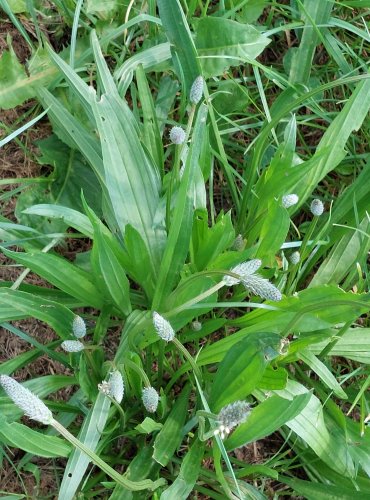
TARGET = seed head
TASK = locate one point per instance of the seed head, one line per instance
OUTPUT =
(317, 207)
(177, 135)
(150, 399)
(29, 403)
(117, 387)
(72, 345)
(239, 243)
(288, 200)
(163, 327)
(78, 327)
(232, 415)
(196, 91)
(243, 269)
(261, 287)
(196, 326)
(295, 258)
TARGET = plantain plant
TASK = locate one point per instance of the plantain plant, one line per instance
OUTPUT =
(189, 331)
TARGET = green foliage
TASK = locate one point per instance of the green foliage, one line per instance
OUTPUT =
(163, 224)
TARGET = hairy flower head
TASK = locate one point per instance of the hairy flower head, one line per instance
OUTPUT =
(261, 287)
(232, 415)
(72, 345)
(196, 326)
(117, 387)
(243, 269)
(196, 91)
(295, 258)
(150, 399)
(288, 200)
(78, 327)
(29, 403)
(317, 207)
(177, 135)
(163, 327)
(239, 243)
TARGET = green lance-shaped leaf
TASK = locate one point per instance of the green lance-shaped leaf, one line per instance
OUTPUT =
(188, 474)
(61, 273)
(184, 54)
(15, 304)
(110, 275)
(178, 241)
(238, 373)
(266, 418)
(170, 436)
(26, 439)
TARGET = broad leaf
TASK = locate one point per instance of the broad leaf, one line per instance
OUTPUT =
(222, 43)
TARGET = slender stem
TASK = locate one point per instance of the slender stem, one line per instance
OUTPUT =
(119, 478)
(160, 362)
(176, 167)
(198, 298)
(138, 370)
(91, 363)
(333, 342)
(25, 272)
(188, 356)
(296, 269)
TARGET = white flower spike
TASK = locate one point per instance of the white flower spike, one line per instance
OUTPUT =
(295, 258)
(163, 327)
(261, 287)
(243, 269)
(232, 415)
(150, 399)
(289, 200)
(78, 327)
(177, 135)
(196, 91)
(252, 281)
(29, 403)
(117, 387)
(317, 207)
(72, 346)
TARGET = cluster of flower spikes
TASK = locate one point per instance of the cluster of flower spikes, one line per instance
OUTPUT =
(252, 281)
(79, 331)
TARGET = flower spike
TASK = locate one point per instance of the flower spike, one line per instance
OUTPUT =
(29, 403)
